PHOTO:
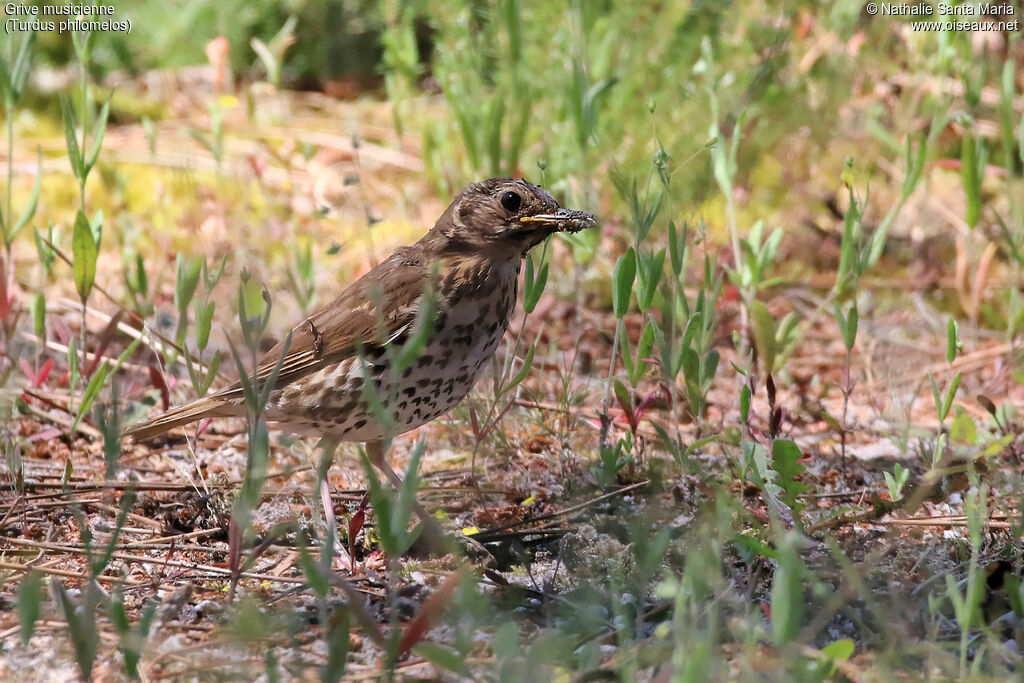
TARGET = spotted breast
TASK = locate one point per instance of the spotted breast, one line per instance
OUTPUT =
(475, 302)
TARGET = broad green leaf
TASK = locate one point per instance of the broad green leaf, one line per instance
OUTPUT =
(74, 153)
(644, 348)
(99, 378)
(37, 307)
(851, 236)
(951, 340)
(97, 137)
(84, 252)
(785, 460)
(998, 445)
(623, 276)
(950, 395)
(693, 326)
(204, 321)
(186, 278)
(850, 334)
(30, 596)
(690, 363)
(622, 395)
(963, 429)
(972, 170)
(20, 70)
(96, 383)
(787, 601)
(839, 650)
(140, 282)
(710, 366)
(847, 324)
(677, 247)
(650, 271)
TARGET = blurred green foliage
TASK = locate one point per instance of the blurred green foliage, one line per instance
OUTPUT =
(568, 92)
(569, 86)
(682, 107)
(333, 38)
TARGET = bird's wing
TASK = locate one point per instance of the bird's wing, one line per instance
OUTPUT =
(371, 311)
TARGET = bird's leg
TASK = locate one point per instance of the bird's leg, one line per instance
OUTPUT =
(432, 531)
(327, 447)
(375, 451)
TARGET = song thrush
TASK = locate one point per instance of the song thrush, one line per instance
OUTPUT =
(339, 374)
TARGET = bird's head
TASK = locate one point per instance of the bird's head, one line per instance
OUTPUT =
(506, 214)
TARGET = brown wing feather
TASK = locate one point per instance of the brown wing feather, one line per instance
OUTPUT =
(370, 311)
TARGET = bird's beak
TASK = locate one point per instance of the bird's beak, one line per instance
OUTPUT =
(563, 220)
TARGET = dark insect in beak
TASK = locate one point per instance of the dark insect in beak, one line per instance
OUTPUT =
(563, 220)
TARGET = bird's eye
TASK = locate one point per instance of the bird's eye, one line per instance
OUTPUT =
(511, 201)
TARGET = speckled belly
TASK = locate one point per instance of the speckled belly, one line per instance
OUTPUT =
(335, 402)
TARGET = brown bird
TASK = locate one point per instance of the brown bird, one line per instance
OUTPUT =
(445, 301)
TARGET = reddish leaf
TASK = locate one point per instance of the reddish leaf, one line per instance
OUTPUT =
(106, 337)
(44, 373)
(6, 291)
(627, 410)
(203, 424)
(258, 164)
(355, 525)
(60, 329)
(157, 378)
(494, 423)
(428, 614)
(27, 369)
(36, 380)
(645, 404)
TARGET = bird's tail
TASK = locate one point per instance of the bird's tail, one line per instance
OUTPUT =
(175, 417)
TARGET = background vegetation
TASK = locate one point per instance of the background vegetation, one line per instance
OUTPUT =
(763, 423)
